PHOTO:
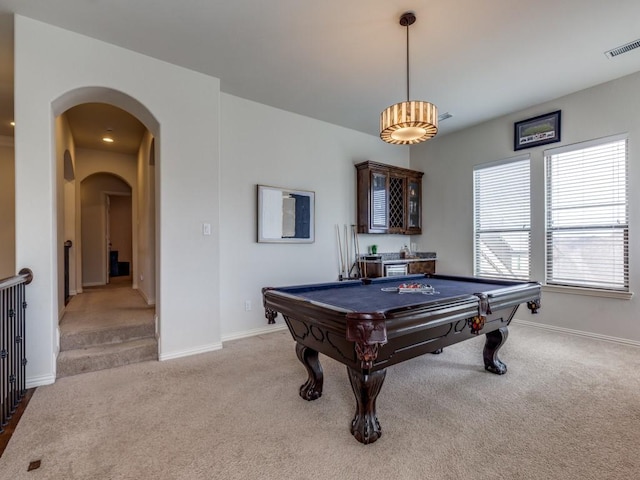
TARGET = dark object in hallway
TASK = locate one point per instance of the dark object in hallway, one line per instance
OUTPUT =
(117, 268)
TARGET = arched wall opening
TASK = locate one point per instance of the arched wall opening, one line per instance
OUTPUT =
(137, 171)
(106, 228)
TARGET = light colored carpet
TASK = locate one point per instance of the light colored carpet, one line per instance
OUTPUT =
(105, 327)
(107, 306)
(569, 408)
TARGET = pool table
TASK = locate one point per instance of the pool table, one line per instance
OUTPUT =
(370, 324)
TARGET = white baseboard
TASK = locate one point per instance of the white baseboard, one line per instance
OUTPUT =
(578, 333)
(191, 351)
(148, 301)
(255, 331)
(72, 293)
(40, 380)
(225, 338)
(94, 284)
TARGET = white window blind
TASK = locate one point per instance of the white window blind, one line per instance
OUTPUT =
(587, 215)
(502, 224)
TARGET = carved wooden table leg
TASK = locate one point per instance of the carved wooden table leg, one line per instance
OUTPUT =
(494, 341)
(365, 425)
(312, 388)
(270, 315)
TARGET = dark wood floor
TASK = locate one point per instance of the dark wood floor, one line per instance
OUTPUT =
(13, 423)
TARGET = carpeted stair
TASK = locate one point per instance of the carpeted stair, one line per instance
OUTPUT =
(89, 350)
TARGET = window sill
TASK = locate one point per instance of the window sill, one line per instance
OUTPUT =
(590, 292)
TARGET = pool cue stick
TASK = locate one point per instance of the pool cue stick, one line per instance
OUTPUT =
(346, 252)
(352, 264)
(357, 248)
(339, 252)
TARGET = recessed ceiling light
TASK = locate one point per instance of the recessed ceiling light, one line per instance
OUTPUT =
(108, 138)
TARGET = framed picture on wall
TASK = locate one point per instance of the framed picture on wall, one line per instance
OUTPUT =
(285, 215)
(537, 131)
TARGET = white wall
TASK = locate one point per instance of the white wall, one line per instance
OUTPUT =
(56, 69)
(264, 145)
(144, 248)
(65, 215)
(448, 161)
(7, 209)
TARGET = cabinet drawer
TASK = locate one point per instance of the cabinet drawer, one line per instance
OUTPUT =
(428, 266)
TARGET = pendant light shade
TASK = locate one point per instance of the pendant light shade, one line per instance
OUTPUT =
(413, 121)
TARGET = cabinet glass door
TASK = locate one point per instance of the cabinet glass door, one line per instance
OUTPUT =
(413, 200)
(379, 200)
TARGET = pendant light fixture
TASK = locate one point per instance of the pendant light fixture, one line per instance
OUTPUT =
(413, 121)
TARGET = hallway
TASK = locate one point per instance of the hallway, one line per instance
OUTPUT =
(106, 327)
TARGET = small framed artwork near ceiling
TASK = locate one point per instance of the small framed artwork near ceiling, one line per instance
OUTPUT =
(536, 131)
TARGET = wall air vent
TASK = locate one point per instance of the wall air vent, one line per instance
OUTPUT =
(614, 52)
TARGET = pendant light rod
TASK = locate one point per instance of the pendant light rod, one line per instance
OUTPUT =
(410, 122)
(406, 20)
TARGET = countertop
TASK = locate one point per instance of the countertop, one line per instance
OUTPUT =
(389, 258)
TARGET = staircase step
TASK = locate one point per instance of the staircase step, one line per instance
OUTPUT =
(105, 336)
(91, 359)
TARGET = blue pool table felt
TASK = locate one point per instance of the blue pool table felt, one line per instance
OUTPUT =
(357, 297)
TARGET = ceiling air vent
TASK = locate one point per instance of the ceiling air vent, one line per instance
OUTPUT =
(614, 52)
(444, 116)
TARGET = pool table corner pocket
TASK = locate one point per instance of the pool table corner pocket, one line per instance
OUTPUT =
(368, 331)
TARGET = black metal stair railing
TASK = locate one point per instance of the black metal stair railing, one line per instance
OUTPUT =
(13, 359)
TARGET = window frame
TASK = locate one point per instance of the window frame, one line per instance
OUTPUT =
(478, 232)
(585, 287)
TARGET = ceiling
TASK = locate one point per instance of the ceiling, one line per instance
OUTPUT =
(343, 62)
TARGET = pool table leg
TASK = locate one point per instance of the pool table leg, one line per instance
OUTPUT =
(312, 388)
(365, 425)
(494, 341)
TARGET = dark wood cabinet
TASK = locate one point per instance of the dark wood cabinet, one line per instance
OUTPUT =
(426, 266)
(389, 199)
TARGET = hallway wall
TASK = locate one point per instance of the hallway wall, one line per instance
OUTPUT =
(66, 214)
(144, 276)
(186, 104)
(7, 209)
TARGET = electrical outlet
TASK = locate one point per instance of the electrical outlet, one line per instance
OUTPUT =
(247, 305)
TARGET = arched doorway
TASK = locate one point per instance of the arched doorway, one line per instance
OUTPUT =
(106, 214)
(106, 228)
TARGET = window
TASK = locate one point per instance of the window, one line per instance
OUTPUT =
(502, 223)
(587, 227)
